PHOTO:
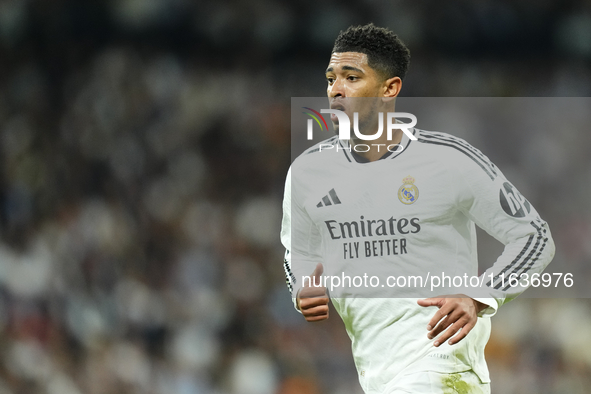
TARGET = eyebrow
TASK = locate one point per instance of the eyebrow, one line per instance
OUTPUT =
(345, 68)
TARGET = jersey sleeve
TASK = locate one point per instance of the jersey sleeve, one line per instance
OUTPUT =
(299, 236)
(495, 205)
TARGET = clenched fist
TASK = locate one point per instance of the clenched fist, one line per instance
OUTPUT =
(313, 301)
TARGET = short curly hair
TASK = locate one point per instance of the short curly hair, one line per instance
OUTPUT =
(386, 53)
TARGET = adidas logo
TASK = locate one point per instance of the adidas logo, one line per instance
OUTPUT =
(329, 199)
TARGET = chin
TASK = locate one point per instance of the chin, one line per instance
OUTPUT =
(335, 125)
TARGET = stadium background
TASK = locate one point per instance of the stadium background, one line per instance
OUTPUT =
(143, 149)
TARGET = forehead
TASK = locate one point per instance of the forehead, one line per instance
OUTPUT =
(340, 59)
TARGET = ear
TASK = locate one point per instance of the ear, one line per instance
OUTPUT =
(392, 87)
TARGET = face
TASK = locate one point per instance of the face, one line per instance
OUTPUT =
(349, 76)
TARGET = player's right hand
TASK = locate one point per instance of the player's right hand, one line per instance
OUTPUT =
(313, 301)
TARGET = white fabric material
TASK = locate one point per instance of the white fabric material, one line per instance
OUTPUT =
(428, 382)
(457, 187)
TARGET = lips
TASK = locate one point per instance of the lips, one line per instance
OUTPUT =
(337, 105)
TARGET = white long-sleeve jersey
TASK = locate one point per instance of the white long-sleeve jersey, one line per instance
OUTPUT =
(410, 212)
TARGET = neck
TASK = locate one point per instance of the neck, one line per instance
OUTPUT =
(377, 147)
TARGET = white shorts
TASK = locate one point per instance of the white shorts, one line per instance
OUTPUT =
(429, 382)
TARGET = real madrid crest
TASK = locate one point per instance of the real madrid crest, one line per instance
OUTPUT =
(408, 192)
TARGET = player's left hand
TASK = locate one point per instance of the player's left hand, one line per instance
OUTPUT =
(456, 312)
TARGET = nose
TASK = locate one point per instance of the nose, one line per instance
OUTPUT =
(337, 89)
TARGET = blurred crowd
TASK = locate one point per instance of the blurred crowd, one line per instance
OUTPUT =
(143, 150)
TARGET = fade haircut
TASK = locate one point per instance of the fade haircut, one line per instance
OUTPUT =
(386, 54)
